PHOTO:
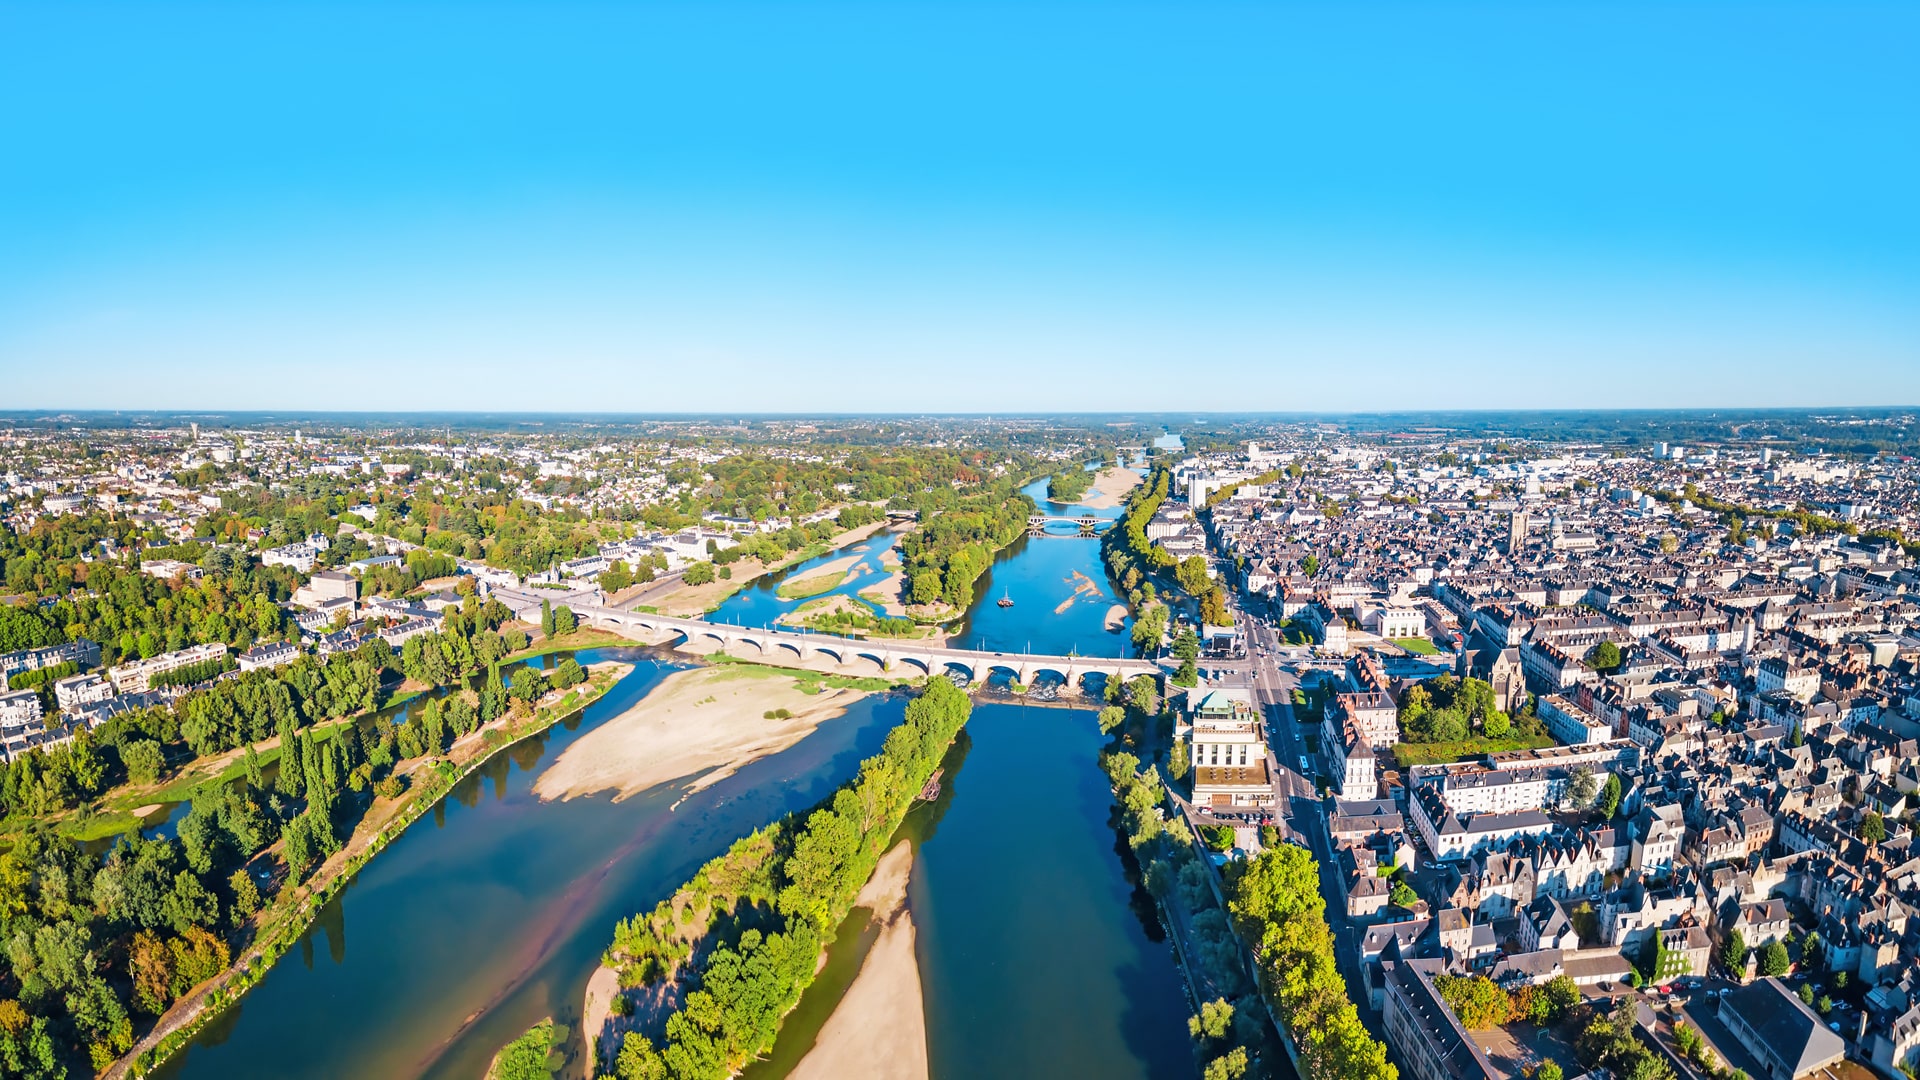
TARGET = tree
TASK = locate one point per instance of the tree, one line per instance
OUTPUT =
(546, 618)
(1214, 1021)
(1110, 718)
(1186, 644)
(1582, 787)
(246, 894)
(1231, 1065)
(1402, 895)
(1192, 574)
(1734, 954)
(1549, 1070)
(1311, 565)
(568, 673)
(702, 574)
(1810, 957)
(1187, 675)
(1806, 993)
(1873, 828)
(1825, 1005)
(1605, 656)
(1177, 760)
(564, 620)
(1143, 695)
(1774, 961)
(1609, 803)
(144, 760)
(1478, 1002)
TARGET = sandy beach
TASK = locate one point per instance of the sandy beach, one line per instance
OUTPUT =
(1110, 487)
(879, 1029)
(888, 593)
(1116, 616)
(821, 578)
(707, 721)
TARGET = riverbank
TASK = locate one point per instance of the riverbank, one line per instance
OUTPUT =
(705, 723)
(279, 925)
(879, 1028)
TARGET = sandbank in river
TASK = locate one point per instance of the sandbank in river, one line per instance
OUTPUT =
(704, 722)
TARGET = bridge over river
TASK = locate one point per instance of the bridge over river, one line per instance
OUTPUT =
(1086, 524)
(774, 646)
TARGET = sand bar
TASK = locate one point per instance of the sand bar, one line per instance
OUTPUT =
(879, 1029)
(707, 721)
(822, 577)
(1110, 487)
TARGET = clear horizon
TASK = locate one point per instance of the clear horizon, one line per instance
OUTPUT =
(953, 209)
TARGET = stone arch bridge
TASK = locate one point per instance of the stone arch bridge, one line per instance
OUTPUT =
(775, 646)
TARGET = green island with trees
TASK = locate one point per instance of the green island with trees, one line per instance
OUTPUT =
(749, 927)
(1069, 485)
(956, 542)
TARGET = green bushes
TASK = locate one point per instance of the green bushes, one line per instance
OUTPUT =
(1275, 902)
(774, 898)
(33, 680)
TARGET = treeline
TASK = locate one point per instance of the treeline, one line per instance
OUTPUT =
(1274, 898)
(1130, 556)
(189, 674)
(956, 541)
(772, 902)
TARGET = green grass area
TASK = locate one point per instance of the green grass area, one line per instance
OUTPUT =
(583, 638)
(1419, 646)
(1439, 753)
(810, 682)
(813, 585)
(533, 1056)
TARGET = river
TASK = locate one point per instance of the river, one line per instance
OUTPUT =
(1038, 955)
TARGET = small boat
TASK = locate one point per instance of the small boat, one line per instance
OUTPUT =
(931, 789)
(1005, 600)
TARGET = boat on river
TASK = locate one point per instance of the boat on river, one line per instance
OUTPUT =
(1005, 599)
(931, 789)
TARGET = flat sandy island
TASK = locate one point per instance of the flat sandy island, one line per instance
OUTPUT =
(1110, 487)
(823, 577)
(879, 1029)
(709, 721)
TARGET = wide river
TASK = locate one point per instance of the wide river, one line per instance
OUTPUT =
(1038, 956)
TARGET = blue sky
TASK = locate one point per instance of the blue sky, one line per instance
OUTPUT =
(935, 207)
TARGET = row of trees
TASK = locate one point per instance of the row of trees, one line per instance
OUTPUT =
(773, 901)
(1274, 899)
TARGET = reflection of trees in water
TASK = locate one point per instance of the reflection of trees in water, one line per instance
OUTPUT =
(332, 921)
(1138, 898)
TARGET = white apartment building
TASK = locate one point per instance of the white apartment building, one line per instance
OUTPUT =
(1571, 724)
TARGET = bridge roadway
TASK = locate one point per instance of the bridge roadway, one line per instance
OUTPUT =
(776, 645)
